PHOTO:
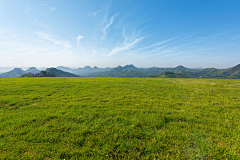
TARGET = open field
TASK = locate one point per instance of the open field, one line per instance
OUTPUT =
(119, 118)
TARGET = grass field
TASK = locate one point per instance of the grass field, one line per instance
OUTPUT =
(119, 118)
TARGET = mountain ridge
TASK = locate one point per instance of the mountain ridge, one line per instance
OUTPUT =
(132, 71)
(59, 73)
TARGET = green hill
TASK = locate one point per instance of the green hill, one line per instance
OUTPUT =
(126, 71)
(41, 74)
(59, 73)
(230, 73)
(33, 70)
(16, 72)
(83, 71)
(132, 71)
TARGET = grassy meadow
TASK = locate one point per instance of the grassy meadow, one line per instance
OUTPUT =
(119, 118)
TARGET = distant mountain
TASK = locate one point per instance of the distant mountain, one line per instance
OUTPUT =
(16, 72)
(132, 67)
(230, 73)
(181, 68)
(41, 74)
(60, 73)
(83, 71)
(132, 71)
(126, 71)
(33, 70)
(66, 69)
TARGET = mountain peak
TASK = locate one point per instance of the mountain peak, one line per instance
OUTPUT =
(87, 67)
(129, 66)
(180, 66)
(32, 68)
(235, 68)
(17, 69)
(59, 73)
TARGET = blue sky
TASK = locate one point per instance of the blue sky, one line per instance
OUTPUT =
(108, 33)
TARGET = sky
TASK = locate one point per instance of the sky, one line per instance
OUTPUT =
(109, 33)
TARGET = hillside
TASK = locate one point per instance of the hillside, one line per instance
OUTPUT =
(83, 71)
(16, 72)
(126, 71)
(132, 71)
(59, 73)
(33, 70)
(41, 74)
(230, 73)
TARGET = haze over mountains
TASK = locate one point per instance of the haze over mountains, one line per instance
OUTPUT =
(127, 71)
(34, 72)
(83, 71)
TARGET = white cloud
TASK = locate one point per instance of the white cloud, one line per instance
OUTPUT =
(43, 25)
(47, 9)
(236, 37)
(78, 38)
(53, 39)
(129, 43)
(107, 25)
(28, 10)
(103, 22)
(52, 9)
(94, 52)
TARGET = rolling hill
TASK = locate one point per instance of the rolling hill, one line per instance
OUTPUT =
(132, 71)
(60, 73)
(33, 70)
(41, 74)
(16, 72)
(230, 73)
(83, 71)
(126, 71)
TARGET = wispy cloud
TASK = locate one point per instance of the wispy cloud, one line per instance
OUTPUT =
(129, 43)
(53, 39)
(78, 38)
(28, 10)
(43, 25)
(47, 8)
(104, 20)
(236, 37)
(52, 9)
(93, 52)
(107, 25)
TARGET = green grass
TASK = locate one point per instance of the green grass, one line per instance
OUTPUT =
(119, 118)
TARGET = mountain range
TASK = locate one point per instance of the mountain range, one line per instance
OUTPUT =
(16, 72)
(33, 72)
(83, 71)
(41, 74)
(130, 71)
